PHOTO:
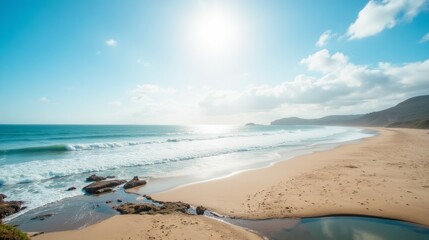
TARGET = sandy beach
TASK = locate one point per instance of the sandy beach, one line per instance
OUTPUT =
(385, 176)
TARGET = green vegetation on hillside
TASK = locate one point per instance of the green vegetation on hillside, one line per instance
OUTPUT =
(11, 233)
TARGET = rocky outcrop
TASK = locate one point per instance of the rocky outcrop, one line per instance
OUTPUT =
(95, 178)
(71, 188)
(134, 183)
(146, 208)
(200, 210)
(102, 186)
(9, 208)
(2, 196)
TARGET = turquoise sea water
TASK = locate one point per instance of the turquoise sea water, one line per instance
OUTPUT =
(38, 162)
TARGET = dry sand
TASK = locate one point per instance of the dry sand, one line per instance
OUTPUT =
(175, 226)
(386, 176)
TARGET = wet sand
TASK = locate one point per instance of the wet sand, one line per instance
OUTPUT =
(385, 176)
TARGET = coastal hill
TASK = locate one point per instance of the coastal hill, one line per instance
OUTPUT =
(413, 112)
(328, 120)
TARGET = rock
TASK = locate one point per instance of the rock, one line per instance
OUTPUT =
(134, 183)
(71, 188)
(110, 176)
(42, 217)
(103, 190)
(9, 208)
(170, 207)
(2, 196)
(102, 186)
(132, 208)
(146, 208)
(119, 200)
(95, 178)
(37, 234)
(201, 210)
(107, 202)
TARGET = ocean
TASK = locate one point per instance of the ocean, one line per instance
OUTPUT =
(39, 162)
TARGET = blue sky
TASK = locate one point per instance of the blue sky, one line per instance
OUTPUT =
(207, 61)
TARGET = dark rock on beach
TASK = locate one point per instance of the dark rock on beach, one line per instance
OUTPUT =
(132, 208)
(95, 178)
(2, 196)
(9, 208)
(134, 183)
(71, 188)
(146, 208)
(42, 217)
(102, 186)
(200, 210)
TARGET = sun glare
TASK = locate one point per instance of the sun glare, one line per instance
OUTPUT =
(214, 32)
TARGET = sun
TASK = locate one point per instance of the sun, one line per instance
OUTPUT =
(214, 31)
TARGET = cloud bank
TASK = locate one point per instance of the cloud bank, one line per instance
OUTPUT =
(333, 82)
(336, 81)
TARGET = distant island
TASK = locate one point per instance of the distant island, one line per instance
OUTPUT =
(411, 113)
(252, 124)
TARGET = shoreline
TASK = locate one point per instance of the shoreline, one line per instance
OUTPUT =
(257, 194)
(227, 203)
(285, 155)
(163, 181)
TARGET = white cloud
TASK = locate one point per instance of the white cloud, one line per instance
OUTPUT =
(425, 38)
(324, 62)
(111, 42)
(411, 75)
(323, 39)
(377, 16)
(44, 100)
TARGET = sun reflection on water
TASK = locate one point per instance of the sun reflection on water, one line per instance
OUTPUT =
(211, 129)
